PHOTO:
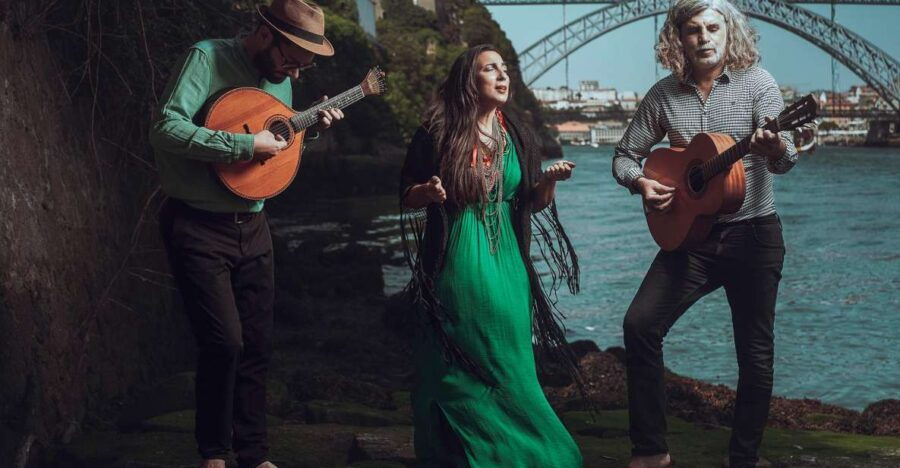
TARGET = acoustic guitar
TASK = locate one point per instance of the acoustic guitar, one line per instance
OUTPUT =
(706, 179)
(251, 110)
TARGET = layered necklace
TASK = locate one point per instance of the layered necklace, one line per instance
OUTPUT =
(489, 150)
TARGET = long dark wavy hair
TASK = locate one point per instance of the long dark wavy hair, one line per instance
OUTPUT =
(452, 120)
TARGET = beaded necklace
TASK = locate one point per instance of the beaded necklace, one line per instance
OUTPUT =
(491, 147)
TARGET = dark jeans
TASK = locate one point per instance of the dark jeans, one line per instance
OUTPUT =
(744, 257)
(223, 268)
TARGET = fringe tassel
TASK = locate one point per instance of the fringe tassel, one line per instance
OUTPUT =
(556, 250)
(562, 264)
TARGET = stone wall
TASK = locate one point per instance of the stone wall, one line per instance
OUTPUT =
(85, 307)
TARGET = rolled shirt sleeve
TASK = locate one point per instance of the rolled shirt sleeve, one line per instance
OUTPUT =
(173, 129)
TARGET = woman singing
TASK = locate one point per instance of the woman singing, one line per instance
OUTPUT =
(474, 173)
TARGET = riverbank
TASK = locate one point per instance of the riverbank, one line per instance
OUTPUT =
(823, 141)
(342, 373)
(857, 142)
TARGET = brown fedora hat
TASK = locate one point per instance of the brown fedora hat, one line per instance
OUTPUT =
(300, 22)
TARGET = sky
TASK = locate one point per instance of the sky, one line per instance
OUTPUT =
(623, 59)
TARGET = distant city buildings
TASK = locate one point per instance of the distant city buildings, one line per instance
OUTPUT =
(588, 95)
(588, 105)
(552, 95)
(430, 5)
(578, 133)
(605, 132)
(596, 115)
(852, 115)
(857, 100)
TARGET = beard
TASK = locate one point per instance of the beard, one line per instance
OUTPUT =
(266, 66)
(711, 61)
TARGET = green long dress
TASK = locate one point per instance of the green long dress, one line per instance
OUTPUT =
(459, 420)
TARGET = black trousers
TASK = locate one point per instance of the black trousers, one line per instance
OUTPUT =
(223, 266)
(746, 259)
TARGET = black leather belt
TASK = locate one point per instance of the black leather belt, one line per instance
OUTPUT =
(767, 219)
(232, 217)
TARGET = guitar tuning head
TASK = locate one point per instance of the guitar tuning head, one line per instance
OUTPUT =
(374, 82)
(801, 112)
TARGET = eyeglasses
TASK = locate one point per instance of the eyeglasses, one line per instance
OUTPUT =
(290, 64)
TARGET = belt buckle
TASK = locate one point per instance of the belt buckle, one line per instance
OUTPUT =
(237, 218)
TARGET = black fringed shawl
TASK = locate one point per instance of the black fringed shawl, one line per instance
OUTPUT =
(425, 232)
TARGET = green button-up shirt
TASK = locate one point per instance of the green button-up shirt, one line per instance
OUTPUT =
(185, 150)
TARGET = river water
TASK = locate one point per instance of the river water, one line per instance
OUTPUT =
(838, 313)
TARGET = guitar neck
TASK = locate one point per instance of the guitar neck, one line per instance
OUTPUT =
(721, 162)
(310, 116)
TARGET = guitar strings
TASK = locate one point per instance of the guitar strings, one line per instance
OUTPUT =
(309, 117)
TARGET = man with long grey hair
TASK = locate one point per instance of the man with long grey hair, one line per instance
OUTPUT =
(715, 86)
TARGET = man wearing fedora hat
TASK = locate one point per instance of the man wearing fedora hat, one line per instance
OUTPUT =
(219, 244)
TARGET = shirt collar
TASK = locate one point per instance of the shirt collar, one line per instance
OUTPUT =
(724, 77)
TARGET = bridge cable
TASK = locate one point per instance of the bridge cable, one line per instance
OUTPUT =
(566, 42)
(655, 38)
(835, 104)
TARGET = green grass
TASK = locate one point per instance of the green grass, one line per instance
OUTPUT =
(604, 443)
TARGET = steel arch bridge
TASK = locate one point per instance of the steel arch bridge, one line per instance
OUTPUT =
(873, 65)
(583, 2)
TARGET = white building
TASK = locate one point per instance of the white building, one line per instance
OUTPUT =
(545, 95)
(603, 135)
(429, 5)
(574, 132)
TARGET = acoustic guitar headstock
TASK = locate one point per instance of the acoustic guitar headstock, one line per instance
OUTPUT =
(795, 115)
(374, 83)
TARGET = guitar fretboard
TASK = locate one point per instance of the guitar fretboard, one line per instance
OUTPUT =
(725, 159)
(310, 116)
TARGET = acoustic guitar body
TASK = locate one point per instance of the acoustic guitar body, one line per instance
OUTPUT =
(250, 110)
(694, 209)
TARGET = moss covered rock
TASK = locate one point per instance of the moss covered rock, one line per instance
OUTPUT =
(323, 411)
(385, 443)
(316, 445)
(881, 418)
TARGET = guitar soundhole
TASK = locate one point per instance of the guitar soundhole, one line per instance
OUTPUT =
(280, 126)
(696, 180)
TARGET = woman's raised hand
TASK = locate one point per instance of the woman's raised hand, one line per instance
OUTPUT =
(422, 195)
(560, 170)
(434, 190)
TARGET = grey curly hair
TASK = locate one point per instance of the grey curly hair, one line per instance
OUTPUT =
(740, 53)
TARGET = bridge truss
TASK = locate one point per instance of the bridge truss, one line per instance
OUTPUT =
(587, 2)
(873, 65)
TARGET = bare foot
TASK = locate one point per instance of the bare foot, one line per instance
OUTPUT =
(653, 461)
